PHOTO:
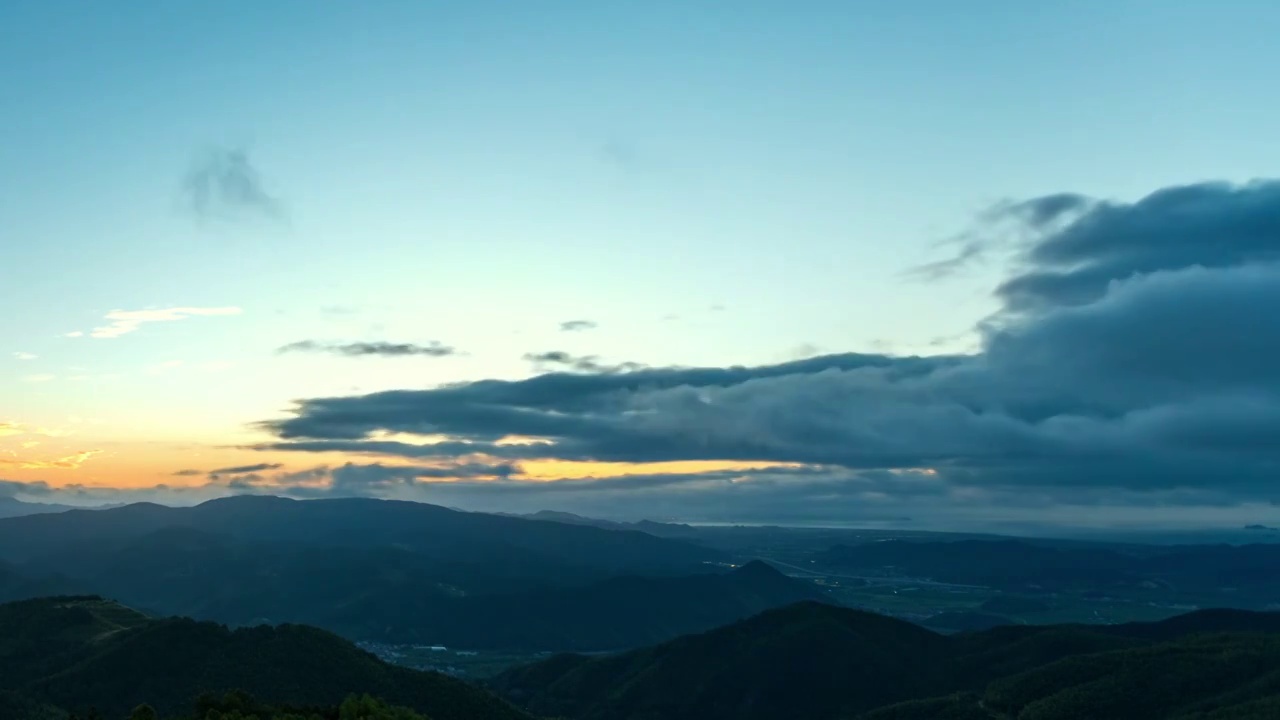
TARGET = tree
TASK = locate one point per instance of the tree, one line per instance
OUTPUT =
(143, 712)
(366, 707)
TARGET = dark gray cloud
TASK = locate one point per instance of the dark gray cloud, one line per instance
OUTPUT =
(1133, 362)
(577, 325)
(187, 473)
(367, 349)
(242, 469)
(14, 488)
(579, 363)
(1210, 225)
(249, 481)
(223, 183)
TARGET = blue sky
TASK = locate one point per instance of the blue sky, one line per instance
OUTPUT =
(712, 184)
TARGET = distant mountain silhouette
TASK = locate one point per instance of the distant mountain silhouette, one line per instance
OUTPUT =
(77, 652)
(392, 572)
(429, 530)
(653, 528)
(13, 507)
(396, 595)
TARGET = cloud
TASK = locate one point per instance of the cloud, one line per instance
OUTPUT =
(1132, 365)
(24, 356)
(971, 251)
(123, 322)
(223, 183)
(10, 428)
(15, 488)
(242, 469)
(365, 349)
(352, 479)
(583, 363)
(1005, 226)
(1207, 225)
(577, 325)
(39, 378)
(187, 473)
(69, 462)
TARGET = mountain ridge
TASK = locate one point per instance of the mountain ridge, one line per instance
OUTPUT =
(81, 651)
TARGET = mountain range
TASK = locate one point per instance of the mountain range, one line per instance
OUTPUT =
(13, 507)
(391, 572)
(814, 660)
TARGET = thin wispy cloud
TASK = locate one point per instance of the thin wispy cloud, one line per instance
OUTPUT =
(25, 356)
(242, 469)
(11, 428)
(577, 325)
(578, 363)
(123, 322)
(1001, 229)
(69, 462)
(370, 349)
(224, 183)
(39, 378)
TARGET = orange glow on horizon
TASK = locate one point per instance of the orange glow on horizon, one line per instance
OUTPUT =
(557, 469)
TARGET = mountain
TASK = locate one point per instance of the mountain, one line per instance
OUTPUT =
(391, 572)
(617, 613)
(808, 660)
(429, 530)
(14, 585)
(569, 519)
(1202, 677)
(12, 507)
(395, 595)
(81, 651)
(648, 526)
(823, 662)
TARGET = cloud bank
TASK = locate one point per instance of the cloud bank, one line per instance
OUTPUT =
(1132, 363)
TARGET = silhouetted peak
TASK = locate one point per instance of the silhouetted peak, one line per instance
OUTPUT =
(246, 501)
(138, 508)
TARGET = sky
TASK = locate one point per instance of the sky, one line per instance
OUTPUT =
(953, 265)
